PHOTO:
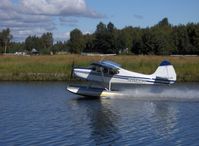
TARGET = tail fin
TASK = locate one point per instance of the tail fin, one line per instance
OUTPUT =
(165, 73)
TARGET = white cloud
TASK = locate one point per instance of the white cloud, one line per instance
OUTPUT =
(61, 36)
(22, 33)
(34, 17)
(68, 20)
(5, 4)
(58, 8)
(71, 22)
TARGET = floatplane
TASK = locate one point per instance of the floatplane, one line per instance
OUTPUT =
(108, 72)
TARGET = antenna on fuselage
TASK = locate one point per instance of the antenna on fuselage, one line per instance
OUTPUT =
(102, 58)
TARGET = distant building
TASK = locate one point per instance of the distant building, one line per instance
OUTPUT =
(34, 52)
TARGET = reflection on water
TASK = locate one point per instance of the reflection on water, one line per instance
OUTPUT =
(102, 121)
(44, 113)
(163, 119)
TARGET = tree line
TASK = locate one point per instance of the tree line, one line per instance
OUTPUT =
(160, 39)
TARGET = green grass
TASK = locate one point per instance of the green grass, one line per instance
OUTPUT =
(58, 67)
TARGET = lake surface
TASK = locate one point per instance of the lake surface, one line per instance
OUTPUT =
(44, 113)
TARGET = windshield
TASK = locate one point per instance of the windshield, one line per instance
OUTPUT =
(111, 63)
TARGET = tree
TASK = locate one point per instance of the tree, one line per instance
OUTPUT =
(110, 27)
(125, 39)
(101, 28)
(33, 42)
(137, 42)
(181, 39)
(193, 34)
(16, 47)
(105, 38)
(47, 40)
(100, 43)
(59, 46)
(111, 38)
(89, 43)
(162, 33)
(160, 39)
(76, 42)
(148, 42)
(164, 22)
(5, 38)
(43, 44)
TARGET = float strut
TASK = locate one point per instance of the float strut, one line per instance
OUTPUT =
(109, 87)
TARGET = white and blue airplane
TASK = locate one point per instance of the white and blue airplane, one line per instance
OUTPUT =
(109, 72)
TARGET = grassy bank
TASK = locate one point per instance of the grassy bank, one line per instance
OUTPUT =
(58, 67)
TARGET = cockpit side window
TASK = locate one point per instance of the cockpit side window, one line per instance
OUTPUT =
(113, 71)
(105, 70)
(98, 69)
(95, 68)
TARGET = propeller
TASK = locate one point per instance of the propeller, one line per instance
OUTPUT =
(72, 70)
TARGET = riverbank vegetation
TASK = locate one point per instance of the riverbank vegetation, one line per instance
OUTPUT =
(58, 67)
(160, 39)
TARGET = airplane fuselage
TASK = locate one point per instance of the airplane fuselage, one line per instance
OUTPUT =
(123, 76)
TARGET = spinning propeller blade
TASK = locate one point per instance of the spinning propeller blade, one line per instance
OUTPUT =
(72, 67)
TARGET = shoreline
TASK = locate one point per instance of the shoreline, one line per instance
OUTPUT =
(58, 67)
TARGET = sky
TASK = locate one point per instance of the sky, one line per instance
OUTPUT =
(35, 17)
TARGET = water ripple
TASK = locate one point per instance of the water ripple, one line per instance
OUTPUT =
(51, 116)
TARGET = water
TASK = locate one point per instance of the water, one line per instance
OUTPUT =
(44, 113)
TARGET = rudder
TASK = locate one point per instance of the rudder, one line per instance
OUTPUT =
(165, 72)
